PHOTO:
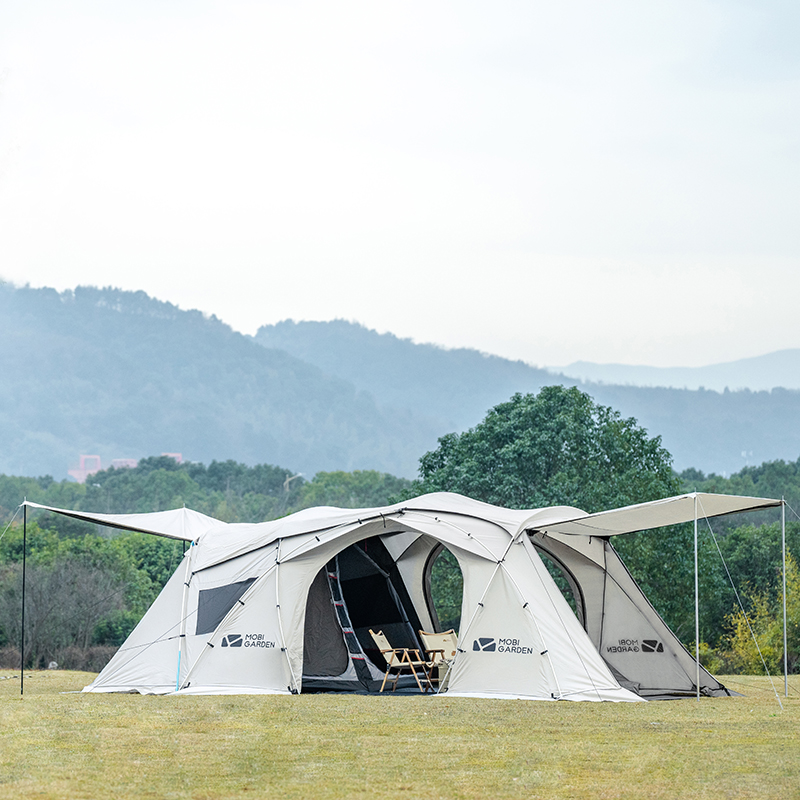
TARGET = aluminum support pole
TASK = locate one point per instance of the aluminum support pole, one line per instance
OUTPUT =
(696, 605)
(24, 571)
(785, 640)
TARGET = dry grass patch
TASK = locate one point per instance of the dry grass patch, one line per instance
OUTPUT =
(56, 745)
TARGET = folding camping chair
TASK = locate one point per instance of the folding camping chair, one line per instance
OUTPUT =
(400, 660)
(440, 650)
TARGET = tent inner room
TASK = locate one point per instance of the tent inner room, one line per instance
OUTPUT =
(359, 590)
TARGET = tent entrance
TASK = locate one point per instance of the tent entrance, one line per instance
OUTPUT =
(359, 589)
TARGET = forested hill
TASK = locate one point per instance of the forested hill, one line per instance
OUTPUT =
(121, 375)
(118, 374)
(457, 386)
(712, 431)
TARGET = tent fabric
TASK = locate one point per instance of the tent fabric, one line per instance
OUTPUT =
(285, 606)
(181, 523)
(655, 514)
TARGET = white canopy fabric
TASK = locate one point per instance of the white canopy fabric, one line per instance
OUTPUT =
(180, 523)
(646, 516)
(237, 538)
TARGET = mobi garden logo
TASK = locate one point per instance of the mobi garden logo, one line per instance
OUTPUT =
(486, 644)
(634, 646)
(248, 640)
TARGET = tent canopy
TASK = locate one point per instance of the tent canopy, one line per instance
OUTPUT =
(181, 523)
(655, 514)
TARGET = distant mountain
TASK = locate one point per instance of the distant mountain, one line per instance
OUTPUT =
(118, 374)
(456, 387)
(712, 431)
(779, 369)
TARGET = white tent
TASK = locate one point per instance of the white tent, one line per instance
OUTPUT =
(286, 606)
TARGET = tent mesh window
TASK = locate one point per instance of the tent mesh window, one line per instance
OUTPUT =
(214, 604)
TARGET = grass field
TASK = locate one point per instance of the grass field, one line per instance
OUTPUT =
(56, 745)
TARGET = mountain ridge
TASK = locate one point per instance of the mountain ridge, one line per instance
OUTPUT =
(779, 369)
(122, 375)
(723, 431)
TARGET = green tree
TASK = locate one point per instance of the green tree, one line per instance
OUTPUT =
(358, 489)
(557, 447)
(766, 624)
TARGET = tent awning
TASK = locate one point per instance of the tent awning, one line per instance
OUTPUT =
(655, 514)
(180, 523)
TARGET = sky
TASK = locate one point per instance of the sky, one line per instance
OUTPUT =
(610, 182)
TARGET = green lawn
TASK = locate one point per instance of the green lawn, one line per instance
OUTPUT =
(56, 745)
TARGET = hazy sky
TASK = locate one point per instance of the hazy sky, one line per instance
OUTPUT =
(615, 181)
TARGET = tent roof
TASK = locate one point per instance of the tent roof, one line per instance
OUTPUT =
(188, 525)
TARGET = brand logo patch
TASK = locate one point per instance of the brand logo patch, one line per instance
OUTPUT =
(488, 644)
(635, 646)
(247, 640)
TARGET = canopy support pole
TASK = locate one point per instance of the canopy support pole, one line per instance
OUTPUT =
(184, 613)
(783, 553)
(696, 605)
(24, 570)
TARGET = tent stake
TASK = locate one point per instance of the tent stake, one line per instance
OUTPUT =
(696, 604)
(24, 570)
(783, 553)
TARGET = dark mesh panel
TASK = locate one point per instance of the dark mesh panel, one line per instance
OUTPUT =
(370, 602)
(214, 604)
(353, 563)
(324, 652)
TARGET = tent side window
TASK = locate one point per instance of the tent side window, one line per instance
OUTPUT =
(445, 588)
(214, 604)
(565, 582)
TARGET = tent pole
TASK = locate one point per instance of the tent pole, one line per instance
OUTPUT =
(184, 613)
(783, 553)
(696, 604)
(24, 570)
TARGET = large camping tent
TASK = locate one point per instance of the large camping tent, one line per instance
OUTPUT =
(286, 606)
